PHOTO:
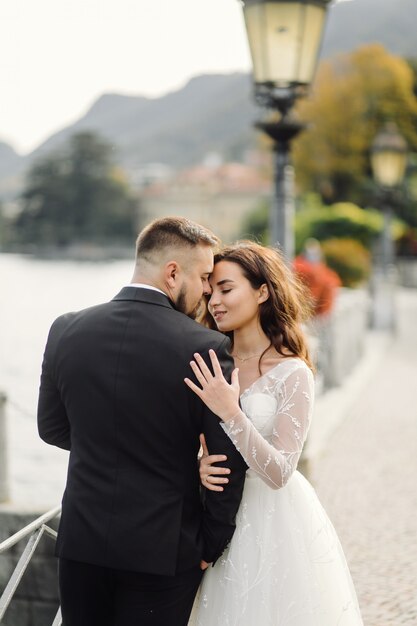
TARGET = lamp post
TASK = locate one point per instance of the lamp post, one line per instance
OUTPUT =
(284, 40)
(389, 161)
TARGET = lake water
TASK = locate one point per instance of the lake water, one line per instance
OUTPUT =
(33, 293)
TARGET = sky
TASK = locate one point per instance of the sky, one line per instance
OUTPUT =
(58, 56)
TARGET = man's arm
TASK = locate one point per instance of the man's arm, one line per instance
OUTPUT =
(220, 508)
(53, 424)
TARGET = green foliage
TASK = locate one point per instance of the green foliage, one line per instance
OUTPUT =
(256, 225)
(75, 195)
(349, 259)
(407, 209)
(412, 62)
(342, 220)
(407, 244)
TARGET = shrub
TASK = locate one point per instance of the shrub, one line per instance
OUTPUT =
(321, 281)
(407, 244)
(349, 259)
(255, 226)
(342, 220)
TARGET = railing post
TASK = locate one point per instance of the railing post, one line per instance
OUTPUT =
(4, 478)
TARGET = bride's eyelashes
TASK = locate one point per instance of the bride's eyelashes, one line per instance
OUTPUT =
(225, 291)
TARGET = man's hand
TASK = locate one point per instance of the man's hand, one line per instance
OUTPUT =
(209, 475)
(204, 565)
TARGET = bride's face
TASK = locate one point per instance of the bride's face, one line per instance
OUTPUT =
(234, 303)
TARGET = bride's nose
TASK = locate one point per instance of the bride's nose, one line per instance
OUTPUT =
(214, 299)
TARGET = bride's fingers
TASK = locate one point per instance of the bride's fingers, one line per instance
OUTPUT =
(215, 458)
(194, 387)
(217, 480)
(235, 378)
(204, 445)
(203, 366)
(214, 481)
(198, 374)
(216, 365)
(208, 485)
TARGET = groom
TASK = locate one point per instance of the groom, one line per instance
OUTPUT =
(134, 537)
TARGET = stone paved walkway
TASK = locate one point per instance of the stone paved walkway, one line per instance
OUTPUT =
(367, 481)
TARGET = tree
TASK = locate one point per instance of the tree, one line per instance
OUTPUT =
(76, 195)
(413, 64)
(255, 226)
(3, 227)
(354, 95)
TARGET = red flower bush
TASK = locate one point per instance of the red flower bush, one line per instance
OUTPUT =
(321, 281)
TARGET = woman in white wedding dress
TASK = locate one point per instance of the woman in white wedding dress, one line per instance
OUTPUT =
(284, 565)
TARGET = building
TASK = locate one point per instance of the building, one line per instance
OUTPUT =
(219, 196)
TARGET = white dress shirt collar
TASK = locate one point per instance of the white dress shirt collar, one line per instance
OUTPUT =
(143, 286)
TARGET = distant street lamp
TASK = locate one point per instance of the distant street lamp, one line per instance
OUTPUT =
(389, 161)
(284, 40)
(389, 157)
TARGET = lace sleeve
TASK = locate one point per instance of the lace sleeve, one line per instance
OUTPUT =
(275, 460)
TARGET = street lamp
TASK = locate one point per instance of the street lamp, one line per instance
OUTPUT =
(284, 40)
(389, 157)
(389, 161)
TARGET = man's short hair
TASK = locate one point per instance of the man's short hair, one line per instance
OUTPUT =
(172, 232)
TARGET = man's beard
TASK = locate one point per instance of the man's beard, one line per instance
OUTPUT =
(181, 304)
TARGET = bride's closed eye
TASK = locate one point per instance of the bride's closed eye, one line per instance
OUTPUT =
(225, 291)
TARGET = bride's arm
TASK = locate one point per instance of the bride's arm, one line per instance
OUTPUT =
(276, 461)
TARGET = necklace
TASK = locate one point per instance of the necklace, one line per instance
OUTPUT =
(247, 358)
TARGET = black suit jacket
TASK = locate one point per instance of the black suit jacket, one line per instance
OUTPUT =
(113, 393)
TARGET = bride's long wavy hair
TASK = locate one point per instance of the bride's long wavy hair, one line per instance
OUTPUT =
(288, 306)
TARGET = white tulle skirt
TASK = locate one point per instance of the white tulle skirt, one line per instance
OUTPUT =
(284, 566)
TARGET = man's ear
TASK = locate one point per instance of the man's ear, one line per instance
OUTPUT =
(263, 293)
(171, 271)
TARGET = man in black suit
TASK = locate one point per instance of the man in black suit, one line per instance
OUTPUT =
(134, 537)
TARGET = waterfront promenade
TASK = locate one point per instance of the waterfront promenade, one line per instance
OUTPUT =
(366, 477)
(363, 465)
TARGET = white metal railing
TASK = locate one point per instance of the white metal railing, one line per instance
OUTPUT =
(35, 530)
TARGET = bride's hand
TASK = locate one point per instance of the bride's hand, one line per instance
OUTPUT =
(215, 391)
(209, 475)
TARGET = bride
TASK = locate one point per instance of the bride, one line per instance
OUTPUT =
(284, 565)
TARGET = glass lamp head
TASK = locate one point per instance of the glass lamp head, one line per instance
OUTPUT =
(389, 156)
(284, 39)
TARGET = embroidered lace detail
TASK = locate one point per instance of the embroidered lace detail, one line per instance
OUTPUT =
(271, 430)
(284, 565)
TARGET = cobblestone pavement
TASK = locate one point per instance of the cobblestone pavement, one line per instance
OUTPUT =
(366, 480)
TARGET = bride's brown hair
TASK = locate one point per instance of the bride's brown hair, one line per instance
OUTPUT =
(282, 314)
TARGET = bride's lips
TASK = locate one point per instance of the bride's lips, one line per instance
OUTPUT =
(218, 315)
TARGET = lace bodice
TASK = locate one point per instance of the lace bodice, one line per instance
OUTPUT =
(284, 565)
(271, 429)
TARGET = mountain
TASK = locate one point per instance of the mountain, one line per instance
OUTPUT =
(357, 22)
(12, 165)
(8, 159)
(212, 113)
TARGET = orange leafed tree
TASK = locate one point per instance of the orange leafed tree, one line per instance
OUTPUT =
(353, 96)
